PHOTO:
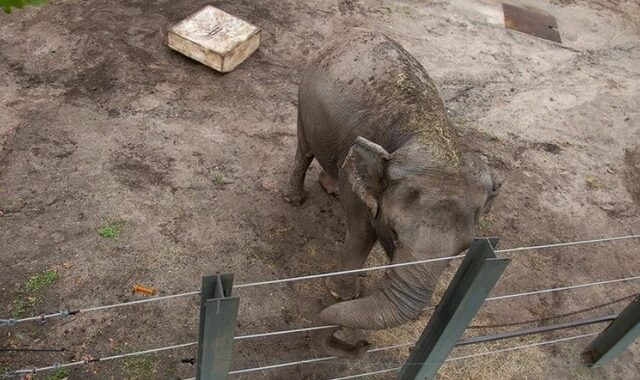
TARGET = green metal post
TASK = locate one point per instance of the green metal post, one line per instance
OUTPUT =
(472, 283)
(218, 313)
(616, 337)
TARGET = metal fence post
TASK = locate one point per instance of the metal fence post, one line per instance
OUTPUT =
(616, 337)
(478, 273)
(218, 313)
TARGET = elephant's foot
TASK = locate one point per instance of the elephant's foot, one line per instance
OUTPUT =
(338, 347)
(328, 183)
(345, 287)
(294, 197)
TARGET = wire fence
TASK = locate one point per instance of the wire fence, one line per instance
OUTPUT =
(555, 316)
(570, 287)
(387, 348)
(65, 313)
(103, 359)
(279, 365)
(456, 358)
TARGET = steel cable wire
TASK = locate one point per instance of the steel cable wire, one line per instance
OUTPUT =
(64, 313)
(522, 347)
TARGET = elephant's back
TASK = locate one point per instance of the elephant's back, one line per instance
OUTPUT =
(365, 84)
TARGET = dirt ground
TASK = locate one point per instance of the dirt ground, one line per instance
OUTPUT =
(102, 125)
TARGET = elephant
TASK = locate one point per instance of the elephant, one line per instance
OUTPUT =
(406, 175)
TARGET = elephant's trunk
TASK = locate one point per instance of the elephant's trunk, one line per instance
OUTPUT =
(405, 293)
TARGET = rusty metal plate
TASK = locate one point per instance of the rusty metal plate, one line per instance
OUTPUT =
(531, 21)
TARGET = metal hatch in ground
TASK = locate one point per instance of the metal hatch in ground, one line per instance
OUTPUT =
(531, 21)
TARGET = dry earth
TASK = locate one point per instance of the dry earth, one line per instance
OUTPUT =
(100, 123)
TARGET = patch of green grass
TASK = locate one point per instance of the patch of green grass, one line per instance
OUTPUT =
(139, 368)
(41, 280)
(219, 180)
(484, 223)
(23, 304)
(110, 230)
(30, 294)
(8, 4)
(59, 374)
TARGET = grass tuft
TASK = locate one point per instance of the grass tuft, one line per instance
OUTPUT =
(30, 294)
(59, 374)
(220, 180)
(110, 230)
(485, 223)
(41, 280)
(139, 368)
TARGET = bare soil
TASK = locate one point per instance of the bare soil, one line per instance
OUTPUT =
(100, 122)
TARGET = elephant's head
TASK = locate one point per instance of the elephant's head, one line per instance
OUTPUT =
(421, 208)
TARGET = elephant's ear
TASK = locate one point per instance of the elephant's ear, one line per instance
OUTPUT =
(364, 168)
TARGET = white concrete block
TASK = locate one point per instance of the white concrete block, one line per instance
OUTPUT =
(214, 38)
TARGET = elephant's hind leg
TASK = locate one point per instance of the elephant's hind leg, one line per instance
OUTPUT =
(295, 192)
(328, 183)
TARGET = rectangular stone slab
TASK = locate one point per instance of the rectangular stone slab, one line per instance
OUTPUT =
(214, 38)
(531, 21)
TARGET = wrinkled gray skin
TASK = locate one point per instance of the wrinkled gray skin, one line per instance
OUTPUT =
(372, 117)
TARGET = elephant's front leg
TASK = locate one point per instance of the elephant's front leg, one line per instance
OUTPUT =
(359, 240)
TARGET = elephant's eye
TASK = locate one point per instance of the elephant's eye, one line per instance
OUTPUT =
(394, 235)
